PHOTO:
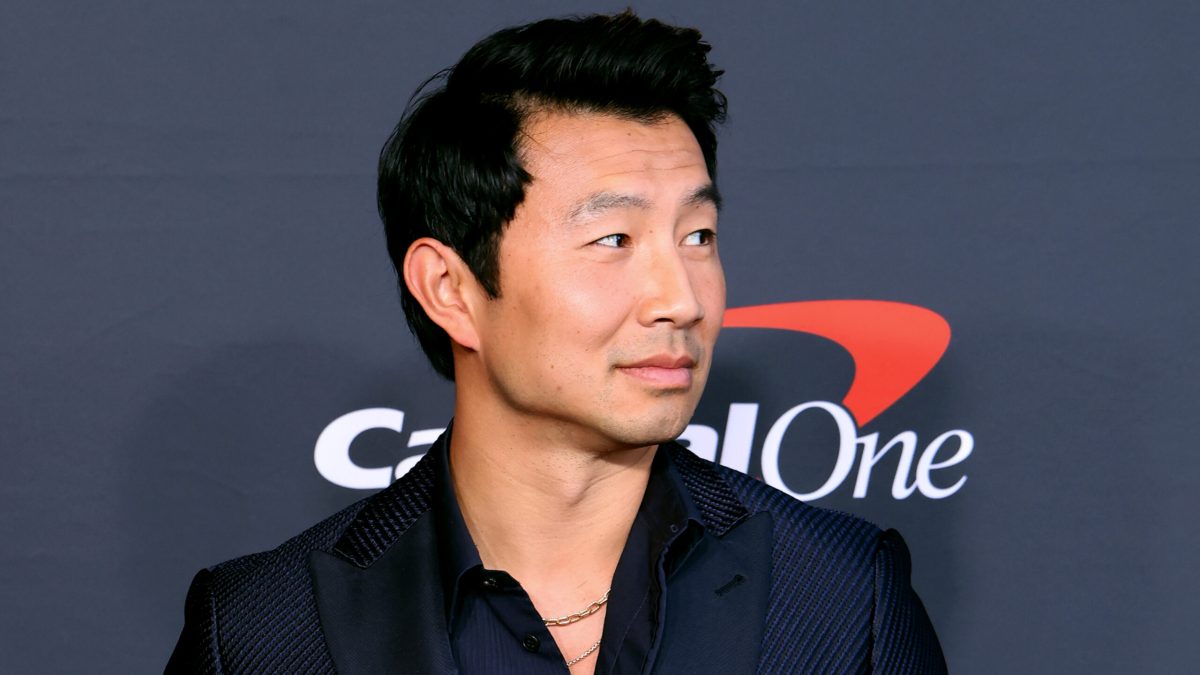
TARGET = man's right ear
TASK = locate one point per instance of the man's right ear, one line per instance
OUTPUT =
(441, 281)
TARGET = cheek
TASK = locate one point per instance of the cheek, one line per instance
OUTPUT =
(588, 302)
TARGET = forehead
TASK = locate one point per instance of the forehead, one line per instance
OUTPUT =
(570, 153)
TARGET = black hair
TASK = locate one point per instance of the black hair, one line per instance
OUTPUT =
(451, 169)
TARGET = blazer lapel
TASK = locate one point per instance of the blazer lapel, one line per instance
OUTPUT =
(717, 602)
(717, 599)
(379, 592)
(388, 617)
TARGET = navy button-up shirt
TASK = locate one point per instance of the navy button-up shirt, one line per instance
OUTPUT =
(493, 625)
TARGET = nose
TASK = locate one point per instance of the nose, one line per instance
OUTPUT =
(669, 294)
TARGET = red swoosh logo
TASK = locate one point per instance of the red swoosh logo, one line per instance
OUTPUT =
(894, 345)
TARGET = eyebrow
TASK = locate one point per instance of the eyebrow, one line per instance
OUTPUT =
(600, 202)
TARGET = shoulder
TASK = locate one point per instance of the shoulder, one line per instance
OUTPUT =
(289, 557)
(363, 529)
(232, 605)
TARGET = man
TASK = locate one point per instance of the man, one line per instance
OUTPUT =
(552, 212)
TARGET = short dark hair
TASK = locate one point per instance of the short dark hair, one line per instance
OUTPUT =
(451, 169)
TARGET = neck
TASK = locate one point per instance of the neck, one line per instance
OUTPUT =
(553, 515)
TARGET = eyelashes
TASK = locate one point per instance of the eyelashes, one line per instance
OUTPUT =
(703, 237)
(613, 241)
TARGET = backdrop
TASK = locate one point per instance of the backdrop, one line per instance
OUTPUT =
(960, 240)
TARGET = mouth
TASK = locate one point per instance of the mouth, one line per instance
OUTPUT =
(664, 371)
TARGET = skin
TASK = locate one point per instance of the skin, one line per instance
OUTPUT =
(596, 350)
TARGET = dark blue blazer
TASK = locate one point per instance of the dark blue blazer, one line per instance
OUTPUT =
(782, 587)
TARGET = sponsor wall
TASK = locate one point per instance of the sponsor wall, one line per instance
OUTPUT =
(959, 242)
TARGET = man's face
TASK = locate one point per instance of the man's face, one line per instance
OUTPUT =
(611, 291)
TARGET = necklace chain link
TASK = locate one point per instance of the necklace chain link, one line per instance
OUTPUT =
(569, 619)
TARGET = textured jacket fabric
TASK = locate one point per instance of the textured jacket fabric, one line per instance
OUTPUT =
(788, 588)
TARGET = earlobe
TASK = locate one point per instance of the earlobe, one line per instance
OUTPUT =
(439, 279)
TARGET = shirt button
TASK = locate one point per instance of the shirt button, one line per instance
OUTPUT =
(531, 643)
(674, 528)
(489, 582)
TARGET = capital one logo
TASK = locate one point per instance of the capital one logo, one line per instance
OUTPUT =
(893, 346)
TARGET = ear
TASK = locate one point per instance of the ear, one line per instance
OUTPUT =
(444, 285)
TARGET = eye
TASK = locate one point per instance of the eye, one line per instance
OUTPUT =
(700, 238)
(613, 240)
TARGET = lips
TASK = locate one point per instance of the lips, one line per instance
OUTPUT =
(662, 370)
(664, 361)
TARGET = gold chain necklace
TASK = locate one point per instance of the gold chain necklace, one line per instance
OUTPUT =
(568, 619)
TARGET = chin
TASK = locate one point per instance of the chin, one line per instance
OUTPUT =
(651, 429)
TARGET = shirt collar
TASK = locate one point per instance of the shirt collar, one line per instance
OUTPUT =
(457, 553)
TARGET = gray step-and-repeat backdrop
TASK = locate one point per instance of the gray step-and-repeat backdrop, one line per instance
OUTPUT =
(961, 244)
